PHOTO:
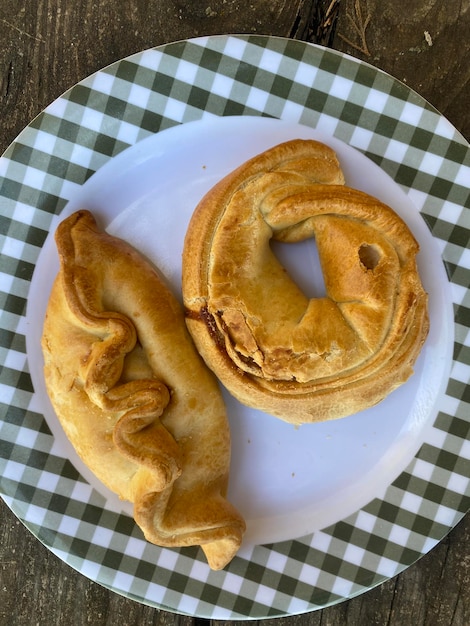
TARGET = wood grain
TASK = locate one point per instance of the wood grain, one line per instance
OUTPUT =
(423, 43)
(46, 46)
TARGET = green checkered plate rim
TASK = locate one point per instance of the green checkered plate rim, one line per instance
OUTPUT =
(115, 109)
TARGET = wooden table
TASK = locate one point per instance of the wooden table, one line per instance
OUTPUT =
(46, 46)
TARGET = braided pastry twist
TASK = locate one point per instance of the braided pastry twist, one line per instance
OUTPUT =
(302, 359)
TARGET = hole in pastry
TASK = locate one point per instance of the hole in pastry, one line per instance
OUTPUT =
(302, 262)
(369, 256)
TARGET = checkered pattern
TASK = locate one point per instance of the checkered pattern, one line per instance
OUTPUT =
(116, 108)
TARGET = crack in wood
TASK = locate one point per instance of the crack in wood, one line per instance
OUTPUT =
(321, 23)
(9, 79)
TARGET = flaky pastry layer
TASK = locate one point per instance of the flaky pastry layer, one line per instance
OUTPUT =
(302, 359)
(133, 395)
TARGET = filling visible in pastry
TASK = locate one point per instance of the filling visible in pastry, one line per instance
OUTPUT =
(302, 359)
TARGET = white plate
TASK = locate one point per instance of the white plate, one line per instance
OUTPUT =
(333, 509)
(286, 481)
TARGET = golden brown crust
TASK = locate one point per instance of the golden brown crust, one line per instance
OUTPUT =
(133, 395)
(302, 359)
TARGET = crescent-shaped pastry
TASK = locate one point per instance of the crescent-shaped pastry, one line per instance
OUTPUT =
(302, 359)
(132, 394)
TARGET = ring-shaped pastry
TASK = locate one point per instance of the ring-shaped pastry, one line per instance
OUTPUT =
(275, 349)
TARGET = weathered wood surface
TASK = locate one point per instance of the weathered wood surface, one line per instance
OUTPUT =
(46, 46)
(423, 43)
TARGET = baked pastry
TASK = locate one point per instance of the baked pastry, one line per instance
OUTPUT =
(132, 394)
(302, 359)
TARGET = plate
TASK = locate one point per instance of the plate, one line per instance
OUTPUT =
(354, 501)
(146, 195)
